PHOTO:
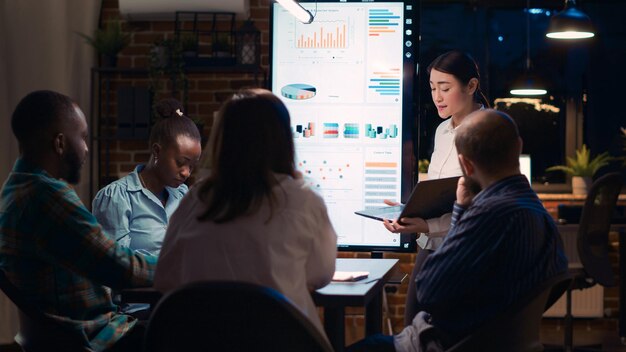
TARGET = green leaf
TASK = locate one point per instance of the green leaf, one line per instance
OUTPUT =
(582, 165)
(109, 40)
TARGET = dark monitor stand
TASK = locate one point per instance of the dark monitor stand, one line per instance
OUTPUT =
(396, 279)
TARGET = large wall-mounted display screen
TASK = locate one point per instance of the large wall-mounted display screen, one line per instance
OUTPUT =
(347, 80)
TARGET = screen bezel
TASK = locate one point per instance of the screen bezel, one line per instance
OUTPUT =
(409, 119)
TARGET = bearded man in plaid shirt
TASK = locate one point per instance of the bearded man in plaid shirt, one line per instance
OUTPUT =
(51, 247)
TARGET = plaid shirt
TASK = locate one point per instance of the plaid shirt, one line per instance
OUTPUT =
(53, 250)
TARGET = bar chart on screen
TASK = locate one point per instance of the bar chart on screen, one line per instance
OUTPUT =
(331, 29)
(383, 22)
(330, 36)
(385, 82)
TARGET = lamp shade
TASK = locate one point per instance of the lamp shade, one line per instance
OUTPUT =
(297, 10)
(571, 23)
(528, 84)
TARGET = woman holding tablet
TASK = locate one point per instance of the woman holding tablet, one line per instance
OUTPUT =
(455, 89)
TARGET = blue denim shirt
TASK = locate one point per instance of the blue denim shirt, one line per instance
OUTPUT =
(134, 216)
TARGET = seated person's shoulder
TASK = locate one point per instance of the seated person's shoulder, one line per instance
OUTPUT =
(48, 194)
(53, 187)
(301, 190)
(117, 188)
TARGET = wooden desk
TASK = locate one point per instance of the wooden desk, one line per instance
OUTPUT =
(368, 293)
(334, 297)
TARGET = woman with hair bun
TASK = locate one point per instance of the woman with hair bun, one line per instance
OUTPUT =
(135, 209)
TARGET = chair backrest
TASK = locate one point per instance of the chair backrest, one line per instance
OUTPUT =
(39, 332)
(595, 223)
(517, 328)
(230, 316)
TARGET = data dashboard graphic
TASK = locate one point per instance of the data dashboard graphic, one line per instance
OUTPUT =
(386, 82)
(342, 79)
(383, 22)
(332, 35)
(298, 91)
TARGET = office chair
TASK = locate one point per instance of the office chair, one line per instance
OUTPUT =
(38, 331)
(230, 316)
(517, 328)
(592, 242)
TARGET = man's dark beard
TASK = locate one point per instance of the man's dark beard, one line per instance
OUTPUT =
(471, 184)
(73, 164)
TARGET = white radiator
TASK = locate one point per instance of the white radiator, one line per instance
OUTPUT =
(587, 303)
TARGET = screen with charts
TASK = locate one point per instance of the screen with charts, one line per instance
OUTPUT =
(347, 80)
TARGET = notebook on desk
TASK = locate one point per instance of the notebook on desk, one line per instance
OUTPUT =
(429, 199)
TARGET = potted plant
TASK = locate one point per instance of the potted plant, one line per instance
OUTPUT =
(222, 49)
(166, 65)
(422, 169)
(109, 41)
(189, 45)
(161, 54)
(221, 45)
(582, 168)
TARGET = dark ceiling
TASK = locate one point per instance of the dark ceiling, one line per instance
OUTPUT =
(548, 4)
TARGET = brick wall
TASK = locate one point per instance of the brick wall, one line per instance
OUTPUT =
(206, 91)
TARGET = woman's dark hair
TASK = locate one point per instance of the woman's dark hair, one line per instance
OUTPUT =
(172, 123)
(253, 141)
(462, 66)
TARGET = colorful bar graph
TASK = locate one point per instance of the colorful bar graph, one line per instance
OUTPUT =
(386, 82)
(382, 21)
(335, 38)
(380, 164)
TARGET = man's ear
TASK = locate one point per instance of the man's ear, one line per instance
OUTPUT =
(467, 165)
(59, 144)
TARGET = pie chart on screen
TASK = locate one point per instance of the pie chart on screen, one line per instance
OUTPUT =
(298, 91)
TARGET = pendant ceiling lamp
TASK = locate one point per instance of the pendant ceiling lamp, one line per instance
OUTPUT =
(529, 83)
(571, 23)
(297, 10)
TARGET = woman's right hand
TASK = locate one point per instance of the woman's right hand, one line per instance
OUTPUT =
(406, 225)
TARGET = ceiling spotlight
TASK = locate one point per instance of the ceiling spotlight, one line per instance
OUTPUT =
(297, 10)
(571, 23)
